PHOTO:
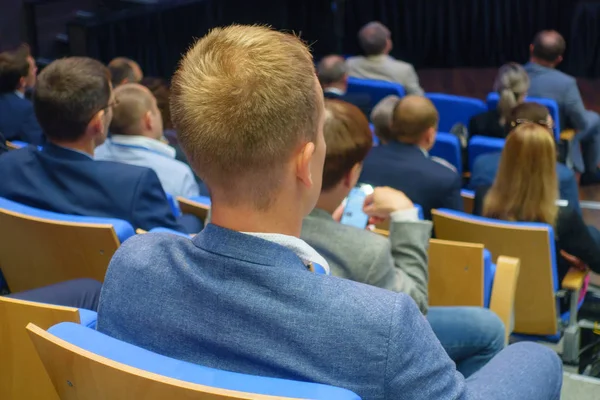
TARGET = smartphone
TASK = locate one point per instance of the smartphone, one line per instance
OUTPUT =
(353, 209)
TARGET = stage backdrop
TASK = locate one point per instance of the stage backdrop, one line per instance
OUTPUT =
(427, 33)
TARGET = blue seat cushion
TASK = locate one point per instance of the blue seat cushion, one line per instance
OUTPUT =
(88, 318)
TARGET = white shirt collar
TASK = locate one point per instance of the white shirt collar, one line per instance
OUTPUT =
(20, 94)
(425, 152)
(334, 90)
(145, 143)
(306, 253)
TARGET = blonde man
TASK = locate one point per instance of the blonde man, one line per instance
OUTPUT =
(246, 294)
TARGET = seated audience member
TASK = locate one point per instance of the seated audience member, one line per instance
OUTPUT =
(258, 144)
(137, 131)
(404, 162)
(376, 43)
(3, 145)
(17, 117)
(511, 84)
(124, 70)
(73, 102)
(546, 81)
(333, 76)
(381, 117)
(486, 166)
(471, 336)
(525, 189)
(78, 293)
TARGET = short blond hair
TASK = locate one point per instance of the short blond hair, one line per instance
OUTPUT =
(133, 101)
(243, 99)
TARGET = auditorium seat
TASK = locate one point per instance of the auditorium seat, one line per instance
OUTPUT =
(86, 364)
(23, 375)
(447, 147)
(479, 145)
(536, 301)
(198, 206)
(455, 109)
(468, 197)
(374, 88)
(40, 248)
(551, 105)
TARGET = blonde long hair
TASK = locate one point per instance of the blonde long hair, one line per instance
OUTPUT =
(511, 84)
(525, 188)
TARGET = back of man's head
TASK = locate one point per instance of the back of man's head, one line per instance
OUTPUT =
(373, 38)
(124, 70)
(348, 138)
(548, 46)
(68, 94)
(136, 112)
(414, 117)
(244, 100)
(14, 65)
(382, 115)
(331, 70)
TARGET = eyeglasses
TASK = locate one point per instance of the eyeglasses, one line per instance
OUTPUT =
(542, 123)
(112, 104)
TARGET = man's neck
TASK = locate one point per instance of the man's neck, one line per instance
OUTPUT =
(245, 219)
(543, 63)
(84, 147)
(21, 90)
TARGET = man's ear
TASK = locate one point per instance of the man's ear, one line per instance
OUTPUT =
(22, 82)
(303, 160)
(148, 121)
(96, 125)
(558, 60)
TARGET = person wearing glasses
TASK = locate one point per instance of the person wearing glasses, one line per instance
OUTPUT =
(486, 166)
(73, 103)
(526, 190)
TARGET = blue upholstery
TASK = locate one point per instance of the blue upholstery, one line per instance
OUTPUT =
(455, 109)
(479, 145)
(565, 316)
(174, 205)
(447, 147)
(137, 357)
(20, 144)
(489, 271)
(419, 211)
(88, 318)
(374, 88)
(202, 200)
(467, 192)
(123, 229)
(167, 230)
(493, 98)
(375, 138)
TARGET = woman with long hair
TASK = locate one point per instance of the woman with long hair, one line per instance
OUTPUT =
(511, 85)
(526, 190)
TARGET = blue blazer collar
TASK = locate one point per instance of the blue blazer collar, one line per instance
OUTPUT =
(399, 146)
(236, 245)
(64, 153)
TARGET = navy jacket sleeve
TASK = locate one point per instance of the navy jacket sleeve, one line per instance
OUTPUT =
(453, 199)
(30, 130)
(151, 208)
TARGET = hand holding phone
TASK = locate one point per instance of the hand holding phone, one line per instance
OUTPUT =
(384, 201)
(353, 208)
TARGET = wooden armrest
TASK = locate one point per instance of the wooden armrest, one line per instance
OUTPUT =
(574, 279)
(11, 146)
(502, 302)
(567, 135)
(381, 232)
(140, 231)
(188, 206)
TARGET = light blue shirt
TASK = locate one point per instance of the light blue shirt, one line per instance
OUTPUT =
(176, 177)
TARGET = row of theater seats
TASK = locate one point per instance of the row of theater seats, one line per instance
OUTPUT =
(39, 247)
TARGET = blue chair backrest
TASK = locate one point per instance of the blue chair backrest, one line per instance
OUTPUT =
(552, 105)
(174, 205)
(202, 200)
(479, 145)
(133, 356)
(123, 229)
(419, 211)
(455, 109)
(20, 144)
(447, 146)
(375, 138)
(374, 88)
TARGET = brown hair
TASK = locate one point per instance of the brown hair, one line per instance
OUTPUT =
(548, 45)
(161, 91)
(348, 138)
(68, 93)
(532, 112)
(243, 99)
(412, 117)
(381, 117)
(525, 188)
(13, 66)
(133, 101)
(123, 69)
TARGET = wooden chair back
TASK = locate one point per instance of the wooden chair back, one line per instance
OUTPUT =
(535, 304)
(79, 374)
(192, 207)
(456, 273)
(23, 376)
(36, 252)
(505, 289)
(468, 199)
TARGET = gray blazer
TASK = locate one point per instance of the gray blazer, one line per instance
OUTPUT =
(398, 263)
(385, 68)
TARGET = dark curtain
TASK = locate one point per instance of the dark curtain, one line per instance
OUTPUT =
(427, 33)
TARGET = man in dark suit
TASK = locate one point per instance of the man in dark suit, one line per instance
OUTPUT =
(73, 102)
(333, 76)
(404, 162)
(17, 118)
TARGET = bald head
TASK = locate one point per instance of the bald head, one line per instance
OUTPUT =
(548, 46)
(374, 39)
(332, 70)
(136, 112)
(124, 70)
(415, 117)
